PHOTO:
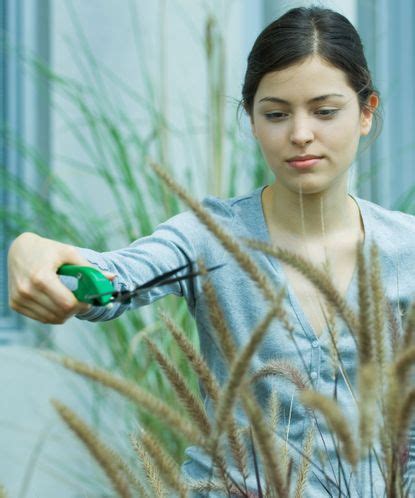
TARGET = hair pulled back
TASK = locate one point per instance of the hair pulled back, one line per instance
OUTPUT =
(300, 33)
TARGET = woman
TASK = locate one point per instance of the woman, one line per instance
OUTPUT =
(310, 98)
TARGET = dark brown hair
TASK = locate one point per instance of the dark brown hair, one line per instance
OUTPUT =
(301, 33)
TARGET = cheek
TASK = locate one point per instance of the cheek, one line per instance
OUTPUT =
(273, 148)
(341, 135)
(270, 136)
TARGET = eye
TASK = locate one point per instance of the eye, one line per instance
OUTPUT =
(275, 116)
(327, 112)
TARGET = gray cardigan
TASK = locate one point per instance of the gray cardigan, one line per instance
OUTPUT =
(183, 238)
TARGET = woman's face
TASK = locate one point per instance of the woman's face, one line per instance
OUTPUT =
(308, 109)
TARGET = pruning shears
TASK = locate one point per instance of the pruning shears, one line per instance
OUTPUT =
(94, 288)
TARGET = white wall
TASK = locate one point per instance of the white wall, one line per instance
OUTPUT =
(182, 81)
(40, 456)
(346, 7)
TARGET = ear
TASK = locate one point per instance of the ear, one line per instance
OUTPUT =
(366, 116)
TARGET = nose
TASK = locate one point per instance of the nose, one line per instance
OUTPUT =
(301, 132)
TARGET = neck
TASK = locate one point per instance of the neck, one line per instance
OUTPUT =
(315, 216)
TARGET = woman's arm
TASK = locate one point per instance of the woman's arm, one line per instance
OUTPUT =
(169, 247)
(37, 291)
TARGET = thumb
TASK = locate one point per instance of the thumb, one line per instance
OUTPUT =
(78, 259)
(111, 276)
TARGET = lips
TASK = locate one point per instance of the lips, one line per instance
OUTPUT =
(303, 158)
(303, 162)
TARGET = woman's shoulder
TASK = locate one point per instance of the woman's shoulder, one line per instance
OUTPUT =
(191, 227)
(393, 232)
(387, 222)
(223, 210)
(232, 206)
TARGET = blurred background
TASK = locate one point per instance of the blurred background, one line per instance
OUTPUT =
(88, 91)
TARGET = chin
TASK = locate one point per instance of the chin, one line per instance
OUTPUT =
(308, 188)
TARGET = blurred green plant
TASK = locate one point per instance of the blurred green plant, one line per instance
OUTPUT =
(114, 150)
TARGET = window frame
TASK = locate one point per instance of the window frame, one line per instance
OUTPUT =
(388, 38)
(24, 105)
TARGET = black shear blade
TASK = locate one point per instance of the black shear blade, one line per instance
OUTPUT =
(188, 275)
(164, 279)
(125, 296)
(160, 278)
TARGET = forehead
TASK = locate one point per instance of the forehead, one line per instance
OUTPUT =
(303, 81)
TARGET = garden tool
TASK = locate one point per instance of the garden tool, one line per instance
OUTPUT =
(94, 288)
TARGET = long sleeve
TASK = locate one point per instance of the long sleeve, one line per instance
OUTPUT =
(167, 248)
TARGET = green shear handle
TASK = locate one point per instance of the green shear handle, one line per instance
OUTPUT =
(90, 283)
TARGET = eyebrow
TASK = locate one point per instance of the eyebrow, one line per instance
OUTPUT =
(277, 100)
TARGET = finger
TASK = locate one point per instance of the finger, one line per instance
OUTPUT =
(109, 275)
(40, 314)
(48, 314)
(64, 304)
(53, 297)
(76, 258)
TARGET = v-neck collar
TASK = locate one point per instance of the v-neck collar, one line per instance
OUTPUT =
(263, 232)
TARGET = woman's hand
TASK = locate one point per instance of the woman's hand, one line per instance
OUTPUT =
(35, 289)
